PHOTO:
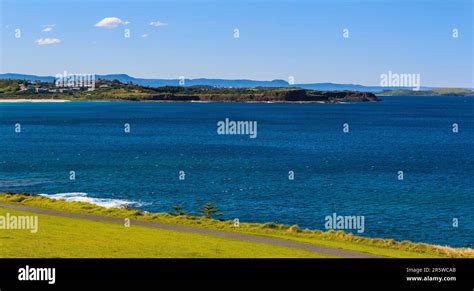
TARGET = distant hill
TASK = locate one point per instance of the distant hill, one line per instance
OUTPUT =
(238, 83)
(13, 76)
(124, 78)
(341, 87)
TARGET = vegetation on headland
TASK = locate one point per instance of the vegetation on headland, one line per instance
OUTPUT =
(335, 239)
(117, 91)
(62, 237)
(433, 92)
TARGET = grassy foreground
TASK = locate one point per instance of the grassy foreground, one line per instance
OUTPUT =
(68, 237)
(60, 237)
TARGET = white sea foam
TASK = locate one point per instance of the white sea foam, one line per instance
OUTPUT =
(82, 197)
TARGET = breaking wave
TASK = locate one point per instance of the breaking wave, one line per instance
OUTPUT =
(83, 197)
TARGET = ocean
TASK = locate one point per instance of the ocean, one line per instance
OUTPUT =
(399, 164)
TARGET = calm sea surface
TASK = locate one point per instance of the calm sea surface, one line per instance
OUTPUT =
(353, 173)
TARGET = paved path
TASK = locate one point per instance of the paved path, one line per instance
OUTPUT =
(178, 227)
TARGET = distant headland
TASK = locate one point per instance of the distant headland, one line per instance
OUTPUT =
(115, 90)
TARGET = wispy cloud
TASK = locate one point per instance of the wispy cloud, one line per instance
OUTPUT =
(144, 35)
(47, 29)
(47, 41)
(158, 23)
(111, 22)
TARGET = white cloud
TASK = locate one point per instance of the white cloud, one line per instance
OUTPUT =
(158, 23)
(47, 41)
(48, 28)
(111, 22)
(144, 35)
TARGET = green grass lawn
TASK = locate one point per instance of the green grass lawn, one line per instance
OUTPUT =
(60, 237)
(335, 239)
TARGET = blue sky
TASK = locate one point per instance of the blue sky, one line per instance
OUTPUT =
(278, 39)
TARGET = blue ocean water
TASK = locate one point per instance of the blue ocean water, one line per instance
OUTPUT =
(353, 173)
